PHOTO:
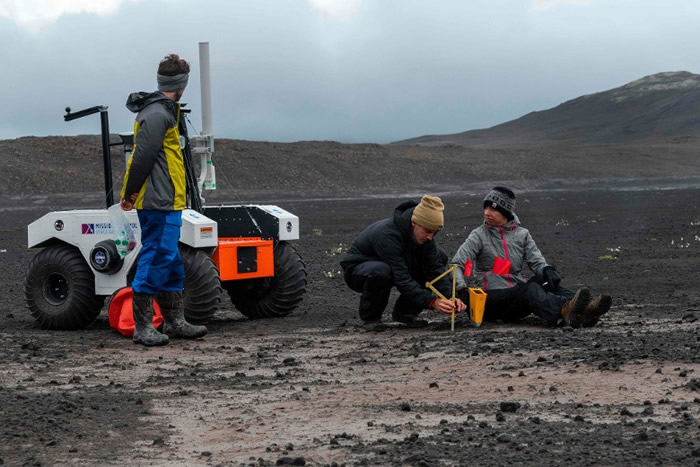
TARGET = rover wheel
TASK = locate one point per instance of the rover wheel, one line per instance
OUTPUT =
(59, 289)
(202, 291)
(272, 297)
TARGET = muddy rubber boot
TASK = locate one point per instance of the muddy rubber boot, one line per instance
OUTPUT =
(572, 311)
(597, 308)
(175, 325)
(144, 332)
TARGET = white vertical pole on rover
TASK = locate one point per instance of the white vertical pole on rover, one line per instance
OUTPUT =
(205, 85)
(207, 172)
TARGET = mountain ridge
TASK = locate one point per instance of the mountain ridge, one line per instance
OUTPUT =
(661, 105)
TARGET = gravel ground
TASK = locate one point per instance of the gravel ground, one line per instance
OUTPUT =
(315, 388)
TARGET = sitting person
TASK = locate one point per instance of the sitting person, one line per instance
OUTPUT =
(493, 257)
(400, 251)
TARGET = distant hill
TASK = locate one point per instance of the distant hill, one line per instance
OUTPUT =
(662, 106)
(638, 133)
(44, 169)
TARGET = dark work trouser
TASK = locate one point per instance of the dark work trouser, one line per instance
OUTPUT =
(373, 279)
(530, 298)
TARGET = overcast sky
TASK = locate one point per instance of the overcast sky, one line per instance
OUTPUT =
(343, 70)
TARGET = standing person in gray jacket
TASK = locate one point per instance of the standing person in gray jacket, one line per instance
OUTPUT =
(154, 184)
(493, 257)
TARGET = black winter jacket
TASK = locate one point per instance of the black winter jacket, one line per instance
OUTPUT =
(412, 265)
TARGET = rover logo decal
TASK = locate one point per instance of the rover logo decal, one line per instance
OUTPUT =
(206, 232)
(98, 228)
(289, 226)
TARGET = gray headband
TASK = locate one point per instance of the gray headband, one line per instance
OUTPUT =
(172, 83)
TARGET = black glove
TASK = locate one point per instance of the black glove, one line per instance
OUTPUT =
(551, 278)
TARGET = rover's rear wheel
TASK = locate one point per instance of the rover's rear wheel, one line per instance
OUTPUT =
(272, 297)
(202, 290)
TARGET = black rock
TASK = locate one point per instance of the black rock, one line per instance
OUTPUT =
(509, 406)
(504, 438)
(291, 461)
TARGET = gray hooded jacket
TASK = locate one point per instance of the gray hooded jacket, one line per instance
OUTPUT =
(156, 170)
(494, 257)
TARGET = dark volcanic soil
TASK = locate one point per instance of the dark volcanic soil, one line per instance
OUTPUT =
(315, 388)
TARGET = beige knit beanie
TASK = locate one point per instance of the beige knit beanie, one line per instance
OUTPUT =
(428, 213)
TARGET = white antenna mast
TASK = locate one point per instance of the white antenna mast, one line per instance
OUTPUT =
(204, 143)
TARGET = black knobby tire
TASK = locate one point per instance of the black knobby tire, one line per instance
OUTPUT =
(59, 289)
(202, 291)
(272, 297)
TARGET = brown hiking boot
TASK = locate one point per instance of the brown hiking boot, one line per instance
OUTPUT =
(572, 311)
(597, 308)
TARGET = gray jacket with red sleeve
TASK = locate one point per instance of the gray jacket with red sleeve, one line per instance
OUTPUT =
(494, 257)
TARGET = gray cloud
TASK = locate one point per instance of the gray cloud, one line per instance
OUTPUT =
(380, 71)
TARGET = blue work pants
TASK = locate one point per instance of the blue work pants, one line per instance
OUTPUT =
(159, 267)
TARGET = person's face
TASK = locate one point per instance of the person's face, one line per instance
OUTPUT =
(422, 234)
(178, 94)
(493, 217)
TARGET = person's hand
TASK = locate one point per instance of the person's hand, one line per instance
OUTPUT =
(551, 278)
(460, 305)
(443, 306)
(126, 205)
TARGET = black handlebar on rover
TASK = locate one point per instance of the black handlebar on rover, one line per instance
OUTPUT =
(106, 154)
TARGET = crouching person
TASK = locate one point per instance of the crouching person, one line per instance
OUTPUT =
(493, 258)
(400, 252)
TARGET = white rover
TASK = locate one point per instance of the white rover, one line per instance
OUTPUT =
(243, 249)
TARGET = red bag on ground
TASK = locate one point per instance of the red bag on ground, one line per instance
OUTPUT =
(121, 315)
